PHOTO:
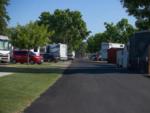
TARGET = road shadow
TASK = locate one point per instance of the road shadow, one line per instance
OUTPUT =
(97, 68)
(77, 67)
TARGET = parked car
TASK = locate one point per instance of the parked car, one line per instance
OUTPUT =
(22, 57)
(95, 57)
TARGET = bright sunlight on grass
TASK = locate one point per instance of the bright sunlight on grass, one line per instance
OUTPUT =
(17, 91)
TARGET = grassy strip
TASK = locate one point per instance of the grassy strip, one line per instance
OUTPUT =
(19, 90)
(43, 65)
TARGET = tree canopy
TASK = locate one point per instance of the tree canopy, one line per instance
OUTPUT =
(119, 32)
(68, 27)
(3, 16)
(116, 33)
(140, 9)
(29, 36)
(94, 42)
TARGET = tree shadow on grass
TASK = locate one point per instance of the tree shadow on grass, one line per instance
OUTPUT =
(31, 70)
(74, 68)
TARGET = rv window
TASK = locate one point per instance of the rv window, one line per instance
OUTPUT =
(20, 52)
(1, 45)
(4, 45)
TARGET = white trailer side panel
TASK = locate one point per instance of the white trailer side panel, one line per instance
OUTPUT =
(105, 46)
(63, 52)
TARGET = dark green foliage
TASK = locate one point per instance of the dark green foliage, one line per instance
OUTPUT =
(95, 41)
(140, 9)
(82, 49)
(29, 36)
(116, 33)
(3, 16)
(120, 32)
(68, 27)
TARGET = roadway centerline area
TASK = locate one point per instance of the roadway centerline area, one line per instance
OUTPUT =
(91, 87)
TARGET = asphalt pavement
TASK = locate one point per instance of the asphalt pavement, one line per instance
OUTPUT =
(95, 87)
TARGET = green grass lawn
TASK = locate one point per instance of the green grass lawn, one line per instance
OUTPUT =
(19, 90)
(43, 65)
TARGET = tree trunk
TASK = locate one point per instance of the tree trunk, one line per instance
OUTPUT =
(28, 58)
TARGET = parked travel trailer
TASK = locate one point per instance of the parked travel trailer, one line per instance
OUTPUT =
(105, 46)
(5, 48)
(122, 57)
(57, 51)
(71, 55)
(139, 51)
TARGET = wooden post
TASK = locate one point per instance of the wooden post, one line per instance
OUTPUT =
(149, 60)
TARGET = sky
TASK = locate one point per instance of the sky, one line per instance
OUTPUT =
(95, 12)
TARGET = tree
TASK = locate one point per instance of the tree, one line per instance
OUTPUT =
(95, 41)
(111, 32)
(116, 33)
(120, 32)
(125, 30)
(29, 36)
(140, 9)
(82, 50)
(3, 16)
(91, 44)
(68, 27)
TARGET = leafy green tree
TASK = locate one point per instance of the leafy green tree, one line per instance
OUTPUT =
(29, 36)
(91, 44)
(116, 33)
(120, 32)
(111, 32)
(125, 30)
(82, 50)
(3, 16)
(140, 9)
(68, 27)
(94, 42)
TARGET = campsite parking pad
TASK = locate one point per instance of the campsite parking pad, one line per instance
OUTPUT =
(90, 87)
(4, 74)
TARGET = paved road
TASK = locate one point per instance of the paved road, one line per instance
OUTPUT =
(89, 87)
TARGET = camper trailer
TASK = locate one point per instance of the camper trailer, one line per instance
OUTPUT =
(122, 57)
(106, 46)
(5, 48)
(56, 52)
(139, 51)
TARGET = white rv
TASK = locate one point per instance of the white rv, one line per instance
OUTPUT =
(105, 46)
(5, 47)
(122, 57)
(59, 50)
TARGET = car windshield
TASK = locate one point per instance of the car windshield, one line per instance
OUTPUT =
(21, 52)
